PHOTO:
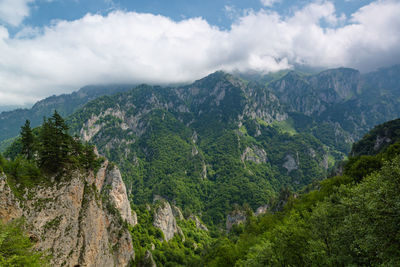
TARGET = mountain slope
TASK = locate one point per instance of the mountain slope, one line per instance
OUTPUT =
(378, 139)
(66, 104)
(342, 97)
(207, 146)
(347, 220)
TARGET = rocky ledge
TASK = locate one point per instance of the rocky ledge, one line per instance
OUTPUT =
(81, 220)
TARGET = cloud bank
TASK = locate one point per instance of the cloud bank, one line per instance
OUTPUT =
(13, 12)
(129, 47)
(269, 2)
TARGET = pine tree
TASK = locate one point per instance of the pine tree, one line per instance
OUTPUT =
(47, 150)
(64, 140)
(55, 143)
(27, 140)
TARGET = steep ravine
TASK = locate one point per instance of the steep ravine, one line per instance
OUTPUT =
(80, 219)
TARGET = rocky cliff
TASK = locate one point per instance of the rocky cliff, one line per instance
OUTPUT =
(80, 218)
(164, 220)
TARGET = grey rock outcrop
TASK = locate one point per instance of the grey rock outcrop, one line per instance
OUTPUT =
(164, 220)
(261, 210)
(254, 154)
(73, 219)
(9, 208)
(235, 218)
(177, 212)
(379, 141)
(290, 164)
(147, 260)
(118, 196)
(198, 223)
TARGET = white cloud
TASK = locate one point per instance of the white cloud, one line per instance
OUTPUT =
(269, 3)
(128, 47)
(13, 12)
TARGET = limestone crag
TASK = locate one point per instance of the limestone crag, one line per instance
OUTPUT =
(177, 212)
(75, 219)
(290, 163)
(118, 195)
(235, 218)
(254, 154)
(9, 207)
(261, 210)
(164, 220)
(198, 223)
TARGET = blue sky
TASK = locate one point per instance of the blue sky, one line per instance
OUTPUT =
(57, 46)
(218, 12)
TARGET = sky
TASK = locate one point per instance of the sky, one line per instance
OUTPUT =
(57, 46)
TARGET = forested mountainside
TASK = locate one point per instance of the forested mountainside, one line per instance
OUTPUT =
(66, 104)
(78, 213)
(210, 170)
(379, 138)
(347, 220)
(208, 146)
(223, 141)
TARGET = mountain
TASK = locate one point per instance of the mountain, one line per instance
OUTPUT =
(378, 139)
(66, 104)
(210, 145)
(222, 137)
(220, 172)
(346, 220)
(343, 97)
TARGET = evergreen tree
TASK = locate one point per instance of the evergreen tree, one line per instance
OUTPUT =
(62, 137)
(55, 143)
(27, 140)
(47, 151)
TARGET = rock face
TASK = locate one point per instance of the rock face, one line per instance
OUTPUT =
(261, 210)
(379, 141)
(254, 154)
(177, 212)
(236, 217)
(164, 220)
(290, 163)
(118, 195)
(9, 208)
(198, 223)
(75, 219)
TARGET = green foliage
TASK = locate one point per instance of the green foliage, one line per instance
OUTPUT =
(23, 174)
(360, 167)
(177, 251)
(352, 220)
(54, 143)
(16, 249)
(378, 139)
(27, 140)
(52, 152)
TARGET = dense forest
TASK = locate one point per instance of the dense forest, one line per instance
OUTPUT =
(347, 220)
